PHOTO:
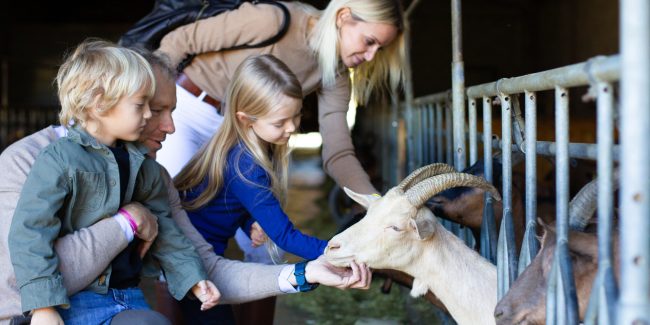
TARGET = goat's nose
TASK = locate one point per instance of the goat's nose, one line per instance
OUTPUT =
(499, 312)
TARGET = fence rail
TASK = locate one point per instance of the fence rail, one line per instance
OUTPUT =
(431, 127)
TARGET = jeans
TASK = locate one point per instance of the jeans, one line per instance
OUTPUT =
(88, 308)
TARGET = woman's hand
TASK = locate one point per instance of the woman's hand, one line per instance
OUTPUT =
(357, 276)
(258, 236)
(208, 293)
(147, 224)
(46, 316)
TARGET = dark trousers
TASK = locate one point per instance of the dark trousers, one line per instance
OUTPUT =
(217, 315)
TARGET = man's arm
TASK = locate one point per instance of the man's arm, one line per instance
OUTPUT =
(241, 282)
(83, 254)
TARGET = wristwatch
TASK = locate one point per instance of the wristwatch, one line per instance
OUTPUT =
(299, 273)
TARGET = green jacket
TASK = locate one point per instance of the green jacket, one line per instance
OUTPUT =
(74, 183)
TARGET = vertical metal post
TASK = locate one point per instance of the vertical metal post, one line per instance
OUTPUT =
(439, 132)
(473, 145)
(488, 225)
(409, 114)
(530, 245)
(506, 251)
(458, 85)
(604, 291)
(431, 131)
(634, 302)
(449, 133)
(567, 301)
(400, 141)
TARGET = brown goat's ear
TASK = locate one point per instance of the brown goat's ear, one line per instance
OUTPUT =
(424, 224)
(363, 199)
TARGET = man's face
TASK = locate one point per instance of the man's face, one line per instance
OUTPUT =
(162, 104)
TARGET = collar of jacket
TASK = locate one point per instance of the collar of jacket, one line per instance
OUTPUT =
(81, 136)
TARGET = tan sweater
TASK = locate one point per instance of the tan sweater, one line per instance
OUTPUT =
(84, 254)
(212, 69)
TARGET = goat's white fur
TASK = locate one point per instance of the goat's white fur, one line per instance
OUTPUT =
(439, 261)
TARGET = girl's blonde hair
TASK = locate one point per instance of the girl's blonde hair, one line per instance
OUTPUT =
(256, 86)
(387, 63)
(98, 74)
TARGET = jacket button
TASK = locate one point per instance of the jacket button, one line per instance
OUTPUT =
(102, 280)
(112, 182)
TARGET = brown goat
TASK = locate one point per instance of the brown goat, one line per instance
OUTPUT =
(464, 205)
(525, 302)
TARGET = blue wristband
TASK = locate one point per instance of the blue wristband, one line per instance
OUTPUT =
(299, 273)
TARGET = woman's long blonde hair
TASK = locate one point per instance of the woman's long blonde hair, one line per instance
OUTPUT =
(387, 63)
(256, 86)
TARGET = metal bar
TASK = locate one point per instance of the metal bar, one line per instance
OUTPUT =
(408, 114)
(487, 137)
(565, 274)
(506, 172)
(605, 133)
(448, 134)
(458, 85)
(473, 145)
(488, 224)
(603, 68)
(605, 137)
(431, 131)
(530, 246)
(576, 150)
(441, 97)
(414, 160)
(634, 302)
(399, 172)
(439, 133)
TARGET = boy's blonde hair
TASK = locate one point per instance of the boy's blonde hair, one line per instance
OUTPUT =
(387, 63)
(98, 74)
(255, 88)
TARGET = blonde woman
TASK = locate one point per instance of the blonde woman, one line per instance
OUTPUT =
(319, 47)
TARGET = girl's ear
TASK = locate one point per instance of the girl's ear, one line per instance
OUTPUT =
(342, 15)
(243, 118)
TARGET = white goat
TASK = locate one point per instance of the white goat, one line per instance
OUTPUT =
(399, 233)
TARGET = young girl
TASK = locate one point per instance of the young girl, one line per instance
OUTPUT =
(240, 176)
(85, 177)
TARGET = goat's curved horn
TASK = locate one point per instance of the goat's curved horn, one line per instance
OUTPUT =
(583, 205)
(423, 173)
(431, 186)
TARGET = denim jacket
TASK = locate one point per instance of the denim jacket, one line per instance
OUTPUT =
(74, 183)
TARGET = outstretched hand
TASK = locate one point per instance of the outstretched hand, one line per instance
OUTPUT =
(258, 236)
(357, 276)
(208, 293)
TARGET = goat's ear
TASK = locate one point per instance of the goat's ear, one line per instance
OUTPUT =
(424, 224)
(363, 199)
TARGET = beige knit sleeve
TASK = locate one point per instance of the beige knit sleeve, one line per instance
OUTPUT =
(339, 159)
(249, 24)
(237, 281)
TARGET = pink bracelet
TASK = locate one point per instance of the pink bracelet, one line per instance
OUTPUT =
(127, 215)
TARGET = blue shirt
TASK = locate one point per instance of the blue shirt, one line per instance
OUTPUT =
(240, 202)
